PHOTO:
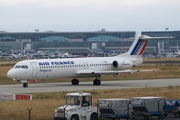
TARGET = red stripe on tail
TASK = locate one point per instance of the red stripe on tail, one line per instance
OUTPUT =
(143, 48)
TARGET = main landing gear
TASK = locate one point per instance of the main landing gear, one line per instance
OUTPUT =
(75, 81)
(25, 85)
(95, 82)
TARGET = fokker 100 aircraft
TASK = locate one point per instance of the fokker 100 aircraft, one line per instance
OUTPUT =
(42, 69)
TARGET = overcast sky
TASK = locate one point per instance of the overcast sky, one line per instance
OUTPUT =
(89, 15)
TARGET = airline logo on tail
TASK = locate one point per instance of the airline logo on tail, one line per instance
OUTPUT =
(139, 47)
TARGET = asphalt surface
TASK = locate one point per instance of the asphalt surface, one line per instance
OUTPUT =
(66, 86)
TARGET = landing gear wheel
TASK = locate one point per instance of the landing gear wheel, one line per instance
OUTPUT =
(97, 82)
(25, 85)
(75, 82)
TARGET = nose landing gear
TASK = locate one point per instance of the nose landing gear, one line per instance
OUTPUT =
(75, 81)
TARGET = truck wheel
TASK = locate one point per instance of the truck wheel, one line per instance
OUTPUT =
(94, 117)
(147, 117)
(176, 114)
(165, 114)
(74, 117)
(133, 117)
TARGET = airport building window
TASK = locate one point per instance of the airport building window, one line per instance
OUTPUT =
(54, 38)
(103, 38)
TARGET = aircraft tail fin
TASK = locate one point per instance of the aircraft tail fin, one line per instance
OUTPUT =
(139, 45)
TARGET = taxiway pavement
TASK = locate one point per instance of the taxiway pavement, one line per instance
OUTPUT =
(66, 86)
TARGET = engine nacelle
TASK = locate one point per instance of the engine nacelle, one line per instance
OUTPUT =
(122, 64)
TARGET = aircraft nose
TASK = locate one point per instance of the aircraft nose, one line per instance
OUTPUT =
(10, 74)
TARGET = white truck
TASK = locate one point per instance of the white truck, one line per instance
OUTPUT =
(74, 108)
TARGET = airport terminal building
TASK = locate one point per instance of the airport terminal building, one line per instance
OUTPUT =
(74, 42)
(83, 42)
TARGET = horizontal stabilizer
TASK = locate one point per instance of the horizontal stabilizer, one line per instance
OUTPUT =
(145, 37)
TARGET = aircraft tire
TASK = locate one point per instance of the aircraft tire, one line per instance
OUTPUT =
(97, 82)
(75, 82)
(25, 85)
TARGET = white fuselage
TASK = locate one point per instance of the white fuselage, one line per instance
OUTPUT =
(62, 68)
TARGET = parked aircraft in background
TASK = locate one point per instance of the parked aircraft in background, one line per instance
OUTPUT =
(63, 55)
(173, 54)
(41, 69)
(177, 52)
(4, 56)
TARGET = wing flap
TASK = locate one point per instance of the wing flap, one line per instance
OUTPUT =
(92, 72)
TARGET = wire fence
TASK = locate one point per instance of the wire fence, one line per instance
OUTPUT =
(27, 114)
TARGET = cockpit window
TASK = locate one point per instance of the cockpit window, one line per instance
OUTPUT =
(24, 66)
(21, 66)
(18, 66)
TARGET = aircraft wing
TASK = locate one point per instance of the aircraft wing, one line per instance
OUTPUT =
(94, 72)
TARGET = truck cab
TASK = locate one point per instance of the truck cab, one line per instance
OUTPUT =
(78, 106)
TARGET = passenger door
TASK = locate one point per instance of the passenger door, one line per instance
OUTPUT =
(34, 69)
